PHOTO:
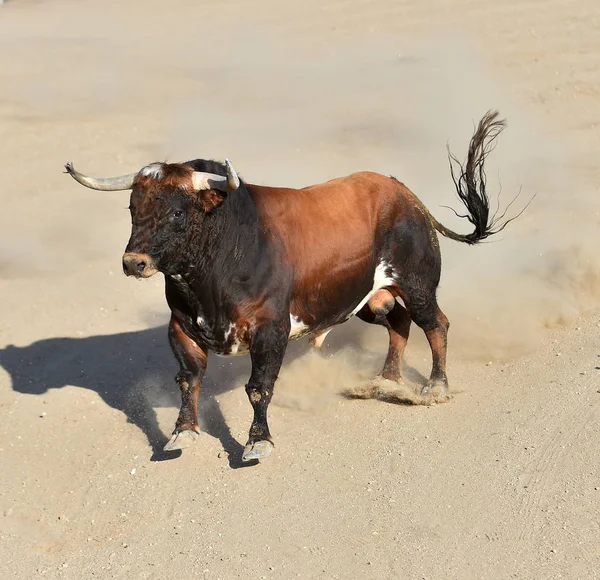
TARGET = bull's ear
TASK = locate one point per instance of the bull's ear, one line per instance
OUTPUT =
(213, 188)
(210, 199)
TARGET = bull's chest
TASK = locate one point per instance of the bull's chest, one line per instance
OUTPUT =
(209, 323)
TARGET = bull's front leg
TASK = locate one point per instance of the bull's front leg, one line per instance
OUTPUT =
(267, 348)
(192, 361)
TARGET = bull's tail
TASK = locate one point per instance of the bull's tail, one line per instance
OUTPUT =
(470, 184)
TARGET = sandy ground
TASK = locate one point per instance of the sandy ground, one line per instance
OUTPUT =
(502, 482)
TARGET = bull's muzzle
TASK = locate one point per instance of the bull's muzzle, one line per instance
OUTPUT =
(139, 265)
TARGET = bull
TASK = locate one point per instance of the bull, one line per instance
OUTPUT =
(248, 267)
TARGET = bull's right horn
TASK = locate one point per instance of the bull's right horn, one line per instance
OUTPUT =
(119, 183)
(227, 184)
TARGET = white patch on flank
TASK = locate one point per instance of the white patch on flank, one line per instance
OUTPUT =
(297, 328)
(152, 170)
(380, 280)
(199, 321)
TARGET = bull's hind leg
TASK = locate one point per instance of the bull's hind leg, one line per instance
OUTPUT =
(388, 385)
(427, 314)
(437, 336)
(397, 321)
(192, 362)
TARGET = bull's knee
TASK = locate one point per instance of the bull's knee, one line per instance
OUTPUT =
(382, 303)
(425, 319)
(183, 379)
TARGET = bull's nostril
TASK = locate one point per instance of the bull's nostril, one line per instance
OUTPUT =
(138, 265)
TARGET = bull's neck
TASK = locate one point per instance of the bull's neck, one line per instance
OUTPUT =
(228, 244)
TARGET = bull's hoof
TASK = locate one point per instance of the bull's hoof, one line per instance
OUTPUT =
(181, 440)
(436, 391)
(257, 450)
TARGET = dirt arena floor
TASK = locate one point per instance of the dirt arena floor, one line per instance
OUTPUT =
(502, 482)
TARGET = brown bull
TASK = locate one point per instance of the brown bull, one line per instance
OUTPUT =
(248, 267)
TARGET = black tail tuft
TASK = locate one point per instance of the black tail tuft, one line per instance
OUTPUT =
(470, 184)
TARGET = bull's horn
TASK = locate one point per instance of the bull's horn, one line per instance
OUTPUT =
(233, 181)
(227, 184)
(119, 183)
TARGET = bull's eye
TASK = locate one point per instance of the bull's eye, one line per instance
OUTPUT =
(178, 214)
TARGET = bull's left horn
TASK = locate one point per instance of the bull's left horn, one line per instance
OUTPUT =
(119, 183)
(233, 181)
(203, 181)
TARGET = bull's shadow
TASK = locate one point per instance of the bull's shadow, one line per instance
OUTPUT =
(133, 372)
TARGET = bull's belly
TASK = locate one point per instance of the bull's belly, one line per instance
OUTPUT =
(297, 330)
(234, 345)
(237, 347)
(382, 278)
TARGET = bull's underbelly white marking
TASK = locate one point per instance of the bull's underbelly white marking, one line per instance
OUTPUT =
(237, 346)
(297, 327)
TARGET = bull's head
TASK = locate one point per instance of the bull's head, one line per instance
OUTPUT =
(164, 198)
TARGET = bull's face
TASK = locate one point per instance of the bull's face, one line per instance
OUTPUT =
(165, 200)
(158, 231)
(160, 214)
